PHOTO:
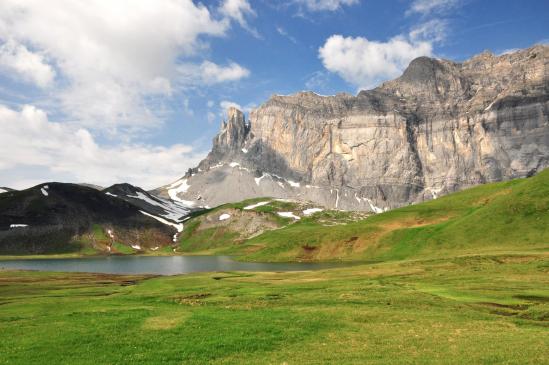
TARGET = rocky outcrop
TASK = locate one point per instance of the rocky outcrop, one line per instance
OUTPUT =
(440, 127)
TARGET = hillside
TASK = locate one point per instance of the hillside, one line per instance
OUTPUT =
(510, 216)
(70, 218)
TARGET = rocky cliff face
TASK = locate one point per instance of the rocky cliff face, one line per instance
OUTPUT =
(440, 127)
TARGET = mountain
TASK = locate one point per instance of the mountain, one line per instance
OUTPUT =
(231, 225)
(497, 218)
(440, 127)
(173, 211)
(57, 217)
(4, 189)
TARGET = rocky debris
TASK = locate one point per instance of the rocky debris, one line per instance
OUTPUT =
(440, 127)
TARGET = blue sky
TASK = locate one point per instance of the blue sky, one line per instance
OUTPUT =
(134, 90)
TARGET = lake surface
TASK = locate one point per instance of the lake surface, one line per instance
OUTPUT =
(162, 265)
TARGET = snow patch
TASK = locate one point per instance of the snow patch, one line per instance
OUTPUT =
(288, 215)
(234, 164)
(258, 179)
(245, 150)
(44, 190)
(489, 106)
(135, 247)
(312, 187)
(179, 186)
(312, 211)
(174, 210)
(111, 194)
(177, 226)
(18, 225)
(434, 192)
(224, 216)
(253, 206)
(3, 191)
(293, 183)
(375, 209)
(109, 232)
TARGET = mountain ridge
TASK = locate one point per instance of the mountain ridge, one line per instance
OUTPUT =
(440, 127)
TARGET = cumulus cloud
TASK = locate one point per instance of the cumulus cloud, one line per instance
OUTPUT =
(365, 63)
(31, 66)
(325, 5)
(113, 57)
(426, 7)
(29, 142)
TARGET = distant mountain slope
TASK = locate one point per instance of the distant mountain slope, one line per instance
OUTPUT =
(234, 223)
(173, 211)
(441, 127)
(4, 189)
(510, 216)
(57, 217)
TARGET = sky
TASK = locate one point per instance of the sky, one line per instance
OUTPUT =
(103, 91)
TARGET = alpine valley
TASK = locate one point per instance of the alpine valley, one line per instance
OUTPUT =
(408, 224)
(439, 128)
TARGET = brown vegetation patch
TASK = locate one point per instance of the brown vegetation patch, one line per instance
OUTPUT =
(192, 299)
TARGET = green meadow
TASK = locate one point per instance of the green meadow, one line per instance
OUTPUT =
(463, 279)
(463, 310)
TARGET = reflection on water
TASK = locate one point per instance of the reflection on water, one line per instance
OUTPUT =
(162, 265)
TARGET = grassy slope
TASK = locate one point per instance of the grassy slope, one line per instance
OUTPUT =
(226, 236)
(489, 310)
(474, 289)
(510, 216)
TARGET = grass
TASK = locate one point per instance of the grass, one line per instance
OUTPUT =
(463, 279)
(506, 216)
(491, 309)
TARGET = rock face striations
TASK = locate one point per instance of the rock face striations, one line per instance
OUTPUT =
(440, 127)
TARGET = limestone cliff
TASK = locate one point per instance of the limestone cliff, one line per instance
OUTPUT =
(440, 127)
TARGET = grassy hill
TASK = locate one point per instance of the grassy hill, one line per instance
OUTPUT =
(510, 216)
(460, 280)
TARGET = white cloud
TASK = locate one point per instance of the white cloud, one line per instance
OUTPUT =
(211, 117)
(325, 5)
(212, 73)
(434, 30)
(365, 63)
(31, 66)
(238, 10)
(115, 58)
(30, 142)
(209, 73)
(226, 104)
(284, 33)
(425, 7)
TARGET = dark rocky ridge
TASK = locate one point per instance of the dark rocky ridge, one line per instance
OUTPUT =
(440, 127)
(48, 217)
